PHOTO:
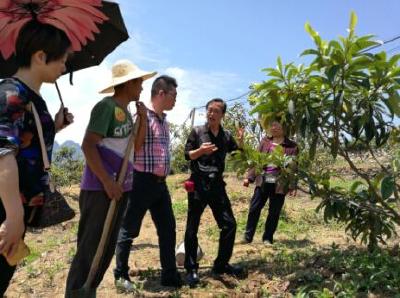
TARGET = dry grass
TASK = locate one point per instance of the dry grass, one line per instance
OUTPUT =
(303, 242)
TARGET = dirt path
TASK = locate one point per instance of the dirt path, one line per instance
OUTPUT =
(44, 272)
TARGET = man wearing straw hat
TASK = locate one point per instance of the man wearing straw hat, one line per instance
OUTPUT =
(104, 147)
(150, 190)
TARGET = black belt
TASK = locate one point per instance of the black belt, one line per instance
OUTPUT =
(158, 179)
(208, 176)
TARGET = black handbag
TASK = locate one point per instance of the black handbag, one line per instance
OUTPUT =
(55, 208)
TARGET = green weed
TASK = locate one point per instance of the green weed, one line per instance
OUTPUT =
(149, 273)
(180, 208)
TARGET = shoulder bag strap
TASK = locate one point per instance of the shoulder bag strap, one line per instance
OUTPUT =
(39, 128)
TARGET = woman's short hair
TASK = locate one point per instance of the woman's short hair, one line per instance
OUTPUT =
(35, 36)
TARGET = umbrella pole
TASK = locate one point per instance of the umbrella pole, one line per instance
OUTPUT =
(59, 94)
(111, 212)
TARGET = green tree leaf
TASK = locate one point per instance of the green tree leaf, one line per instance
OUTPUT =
(387, 187)
(356, 185)
(353, 22)
(309, 52)
(393, 103)
(348, 100)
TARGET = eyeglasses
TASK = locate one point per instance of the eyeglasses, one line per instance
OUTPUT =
(172, 94)
(214, 111)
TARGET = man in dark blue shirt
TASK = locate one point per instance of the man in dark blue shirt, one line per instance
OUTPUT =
(206, 148)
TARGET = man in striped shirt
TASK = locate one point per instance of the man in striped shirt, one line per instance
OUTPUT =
(150, 191)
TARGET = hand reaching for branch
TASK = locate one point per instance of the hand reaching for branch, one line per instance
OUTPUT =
(240, 136)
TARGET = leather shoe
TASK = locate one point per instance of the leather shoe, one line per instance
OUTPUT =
(192, 278)
(233, 270)
(244, 240)
(171, 280)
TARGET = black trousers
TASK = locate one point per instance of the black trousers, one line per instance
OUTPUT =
(215, 196)
(6, 271)
(93, 206)
(149, 193)
(260, 197)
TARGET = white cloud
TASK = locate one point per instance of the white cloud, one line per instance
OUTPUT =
(194, 90)
(195, 87)
(79, 98)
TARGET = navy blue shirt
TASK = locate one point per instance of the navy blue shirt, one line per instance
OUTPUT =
(18, 134)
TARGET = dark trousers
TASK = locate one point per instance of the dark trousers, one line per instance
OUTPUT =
(149, 193)
(6, 271)
(220, 205)
(260, 197)
(93, 206)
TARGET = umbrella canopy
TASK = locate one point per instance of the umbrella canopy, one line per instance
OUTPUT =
(111, 32)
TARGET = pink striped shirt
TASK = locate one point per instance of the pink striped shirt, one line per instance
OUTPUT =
(154, 155)
(290, 148)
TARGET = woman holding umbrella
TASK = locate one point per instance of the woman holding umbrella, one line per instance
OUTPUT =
(41, 53)
(40, 50)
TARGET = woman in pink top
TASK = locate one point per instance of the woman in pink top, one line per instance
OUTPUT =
(268, 188)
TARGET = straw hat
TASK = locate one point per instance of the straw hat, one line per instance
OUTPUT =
(124, 71)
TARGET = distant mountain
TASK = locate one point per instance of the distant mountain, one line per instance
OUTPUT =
(71, 144)
(56, 146)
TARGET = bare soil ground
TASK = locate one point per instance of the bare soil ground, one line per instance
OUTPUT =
(302, 240)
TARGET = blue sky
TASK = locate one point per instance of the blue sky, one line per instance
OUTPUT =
(218, 48)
